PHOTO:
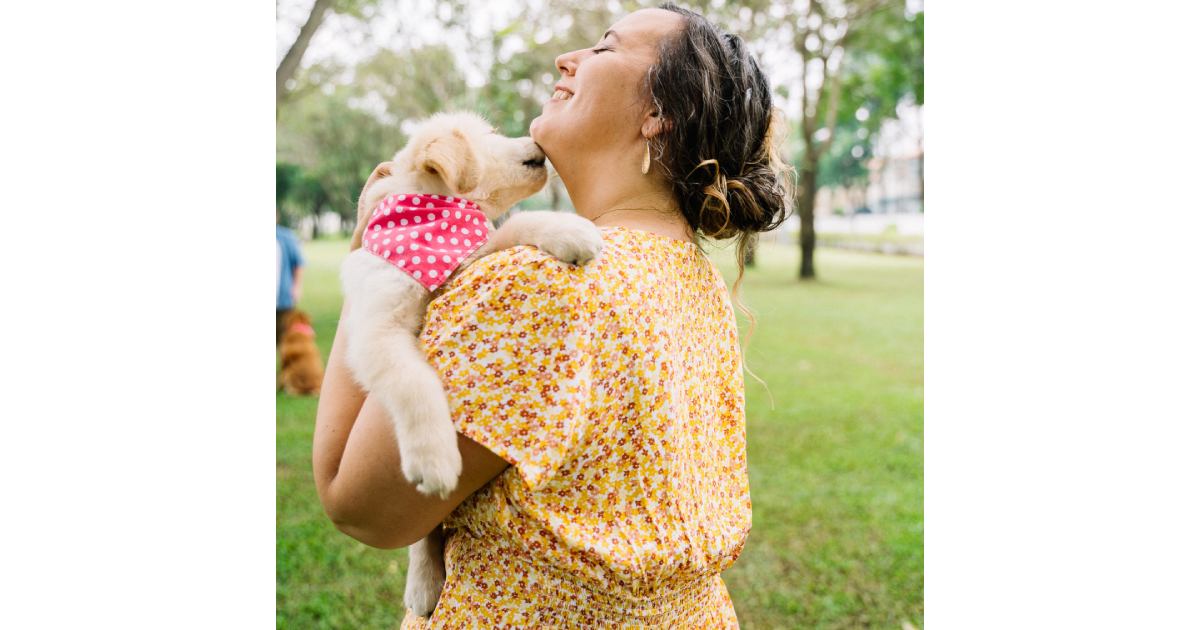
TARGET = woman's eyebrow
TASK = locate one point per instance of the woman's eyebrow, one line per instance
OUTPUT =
(613, 33)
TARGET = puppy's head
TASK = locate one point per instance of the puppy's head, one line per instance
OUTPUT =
(461, 154)
(296, 316)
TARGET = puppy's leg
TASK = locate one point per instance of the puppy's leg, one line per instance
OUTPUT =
(426, 573)
(411, 391)
(568, 237)
(387, 359)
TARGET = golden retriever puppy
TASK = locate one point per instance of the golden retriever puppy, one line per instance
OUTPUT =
(301, 371)
(429, 218)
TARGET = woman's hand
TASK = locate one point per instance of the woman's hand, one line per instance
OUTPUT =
(364, 212)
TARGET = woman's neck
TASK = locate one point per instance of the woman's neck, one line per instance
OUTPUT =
(646, 203)
(663, 222)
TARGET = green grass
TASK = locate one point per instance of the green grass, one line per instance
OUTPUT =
(835, 468)
(907, 244)
(872, 238)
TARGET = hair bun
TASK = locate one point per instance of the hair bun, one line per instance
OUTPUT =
(721, 148)
(753, 201)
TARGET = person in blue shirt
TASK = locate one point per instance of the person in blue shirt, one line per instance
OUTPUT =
(289, 265)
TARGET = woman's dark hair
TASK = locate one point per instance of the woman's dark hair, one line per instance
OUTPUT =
(721, 137)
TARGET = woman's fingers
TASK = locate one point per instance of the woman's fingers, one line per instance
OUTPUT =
(364, 212)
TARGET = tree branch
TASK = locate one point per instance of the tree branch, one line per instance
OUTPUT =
(291, 61)
(833, 85)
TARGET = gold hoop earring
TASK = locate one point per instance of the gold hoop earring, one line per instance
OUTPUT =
(646, 159)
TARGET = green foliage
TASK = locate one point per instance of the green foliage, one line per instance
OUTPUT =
(341, 120)
(336, 144)
(360, 9)
(285, 175)
(845, 164)
(835, 468)
(297, 193)
(883, 66)
(410, 84)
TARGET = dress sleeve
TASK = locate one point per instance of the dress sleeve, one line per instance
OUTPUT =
(510, 337)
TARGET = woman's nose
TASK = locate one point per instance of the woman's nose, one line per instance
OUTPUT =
(566, 63)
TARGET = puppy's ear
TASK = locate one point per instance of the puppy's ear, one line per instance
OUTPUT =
(453, 158)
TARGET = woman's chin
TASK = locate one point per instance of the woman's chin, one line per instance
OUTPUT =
(535, 126)
(540, 133)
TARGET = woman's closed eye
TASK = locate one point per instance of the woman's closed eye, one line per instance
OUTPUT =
(600, 49)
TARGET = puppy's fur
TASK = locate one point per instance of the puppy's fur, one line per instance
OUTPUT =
(300, 372)
(450, 154)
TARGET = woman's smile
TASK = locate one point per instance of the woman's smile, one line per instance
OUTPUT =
(561, 93)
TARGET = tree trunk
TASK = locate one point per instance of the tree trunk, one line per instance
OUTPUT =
(750, 247)
(921, 155)
(883, 188)
(315, 211)
(921, 171)
(291, 61)
(555, 203)
(805, 205)
(921, 177)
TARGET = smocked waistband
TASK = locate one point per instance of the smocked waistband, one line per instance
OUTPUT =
(506, 575)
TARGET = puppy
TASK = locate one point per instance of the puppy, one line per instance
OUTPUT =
(300, 372)
(431, 217)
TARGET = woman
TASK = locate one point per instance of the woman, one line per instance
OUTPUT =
(600, 409)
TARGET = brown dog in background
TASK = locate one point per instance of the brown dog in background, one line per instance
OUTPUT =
(301, 371)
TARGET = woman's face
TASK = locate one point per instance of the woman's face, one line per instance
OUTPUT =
(604, 106)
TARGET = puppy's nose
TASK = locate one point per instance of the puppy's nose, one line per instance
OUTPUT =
(536, 159)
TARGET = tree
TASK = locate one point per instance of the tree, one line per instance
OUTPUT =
(900, 51)
(336, 144)
(298, 194)
(410, 84)
(285, 175)
(823, 32)
(845, 164)
(290, 63)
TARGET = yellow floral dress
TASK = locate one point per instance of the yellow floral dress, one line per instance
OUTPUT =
(615, 391)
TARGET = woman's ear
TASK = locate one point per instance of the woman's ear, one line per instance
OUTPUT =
(653, 124)
(453, 158)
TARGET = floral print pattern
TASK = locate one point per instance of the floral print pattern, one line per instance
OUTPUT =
(615, 391)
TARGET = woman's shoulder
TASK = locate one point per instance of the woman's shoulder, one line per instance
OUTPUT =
(524, 260)
(519, 280)
(524, 268)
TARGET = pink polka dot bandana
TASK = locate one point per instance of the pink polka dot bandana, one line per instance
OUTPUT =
(427, 236)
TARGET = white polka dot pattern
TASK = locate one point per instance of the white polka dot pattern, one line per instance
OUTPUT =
(420, 248)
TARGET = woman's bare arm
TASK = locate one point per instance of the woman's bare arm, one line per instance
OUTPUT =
(356, 462)
(356, 466)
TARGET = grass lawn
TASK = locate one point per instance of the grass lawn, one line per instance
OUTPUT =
(835, 467)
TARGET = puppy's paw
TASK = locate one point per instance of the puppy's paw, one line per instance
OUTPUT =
(572, 239)
(433, 465)
(421, 594)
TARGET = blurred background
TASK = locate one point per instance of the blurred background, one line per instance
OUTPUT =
(835, 432)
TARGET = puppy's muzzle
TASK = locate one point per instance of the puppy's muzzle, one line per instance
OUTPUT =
(538, 160)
